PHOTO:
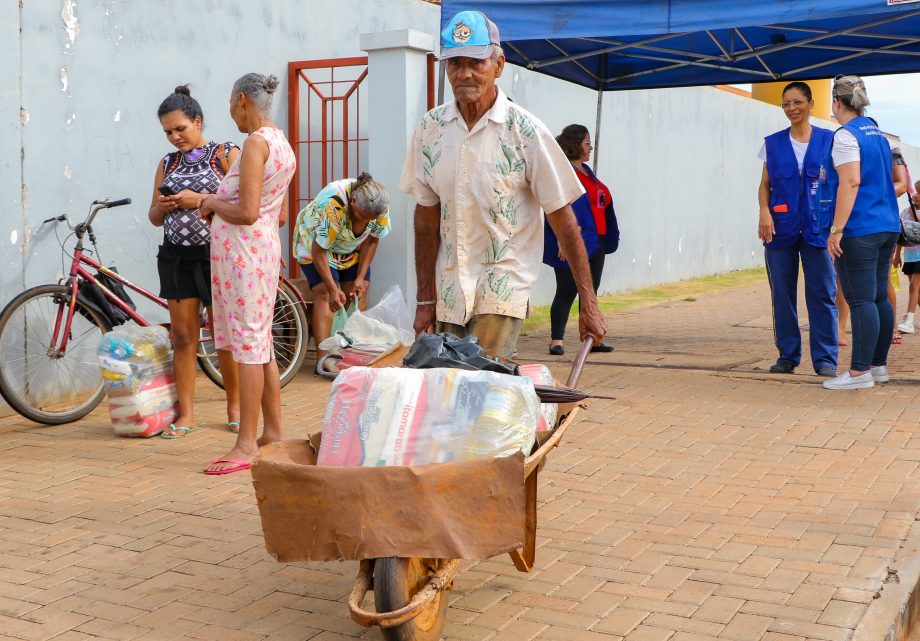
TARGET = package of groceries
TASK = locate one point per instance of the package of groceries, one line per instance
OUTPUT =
(136, 364)
(378, 329)
(401, 416)
(549, 412)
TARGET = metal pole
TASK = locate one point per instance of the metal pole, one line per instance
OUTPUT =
(597, 129)
(600, 112)
(441, 82)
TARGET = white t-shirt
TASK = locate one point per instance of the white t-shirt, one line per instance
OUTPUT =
(846, 148)
(798, 148)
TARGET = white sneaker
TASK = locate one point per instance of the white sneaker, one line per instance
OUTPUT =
(845, 381)
(879, 374)
(906, 326)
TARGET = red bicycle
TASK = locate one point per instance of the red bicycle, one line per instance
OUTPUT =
(49, 334)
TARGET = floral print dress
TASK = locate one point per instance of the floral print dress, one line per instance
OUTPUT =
(246, 260)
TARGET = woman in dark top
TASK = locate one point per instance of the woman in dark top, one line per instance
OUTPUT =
(183, 262)
(599, 231)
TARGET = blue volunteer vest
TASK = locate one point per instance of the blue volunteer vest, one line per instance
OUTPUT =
(792, 194)
(876, 206)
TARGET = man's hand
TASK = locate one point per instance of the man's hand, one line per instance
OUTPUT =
(425, 319)
(591, 321)
(896, 260)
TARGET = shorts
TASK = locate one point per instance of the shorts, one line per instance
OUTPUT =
(497, 334)
(911, 268)
(185, 272)
(345, 276)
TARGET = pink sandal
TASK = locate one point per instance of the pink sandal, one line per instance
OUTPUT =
(238, 466)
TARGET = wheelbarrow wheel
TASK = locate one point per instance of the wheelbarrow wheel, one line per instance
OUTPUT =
(396, 581)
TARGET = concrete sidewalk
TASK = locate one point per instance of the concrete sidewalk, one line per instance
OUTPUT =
(710, 500)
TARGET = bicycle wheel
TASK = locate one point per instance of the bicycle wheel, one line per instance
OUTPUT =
(289, 339)
(39, 383)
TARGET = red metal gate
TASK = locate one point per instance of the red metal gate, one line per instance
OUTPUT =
(326, 95)
(332, 145)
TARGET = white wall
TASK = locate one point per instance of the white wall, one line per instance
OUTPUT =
(682, 167)
(100, 137)
(681, 163)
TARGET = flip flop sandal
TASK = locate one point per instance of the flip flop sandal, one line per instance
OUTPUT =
(176, 429)
(233, 426)
(896, 340)
(238, 466)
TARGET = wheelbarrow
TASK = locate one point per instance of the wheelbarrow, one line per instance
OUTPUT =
(408, 526)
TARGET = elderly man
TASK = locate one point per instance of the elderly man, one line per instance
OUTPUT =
(481, 170)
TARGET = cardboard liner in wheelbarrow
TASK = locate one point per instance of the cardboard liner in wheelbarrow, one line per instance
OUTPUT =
(460, 510)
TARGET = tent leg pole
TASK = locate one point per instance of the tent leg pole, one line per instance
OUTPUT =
(597, 128)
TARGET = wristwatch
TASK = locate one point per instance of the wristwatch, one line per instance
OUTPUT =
(836, 230)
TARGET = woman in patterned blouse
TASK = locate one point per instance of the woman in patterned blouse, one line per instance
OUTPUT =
(183, 262)
(335, 240)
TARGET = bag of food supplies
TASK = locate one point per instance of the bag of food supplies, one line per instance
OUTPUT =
(549, 412)
(400, 416)
(136, 364)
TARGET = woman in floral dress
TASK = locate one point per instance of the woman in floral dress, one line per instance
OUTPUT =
(245, 261)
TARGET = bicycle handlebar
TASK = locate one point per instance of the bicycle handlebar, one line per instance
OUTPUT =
(107, 204)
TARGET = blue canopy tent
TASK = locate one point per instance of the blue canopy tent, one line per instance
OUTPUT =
(643, 44)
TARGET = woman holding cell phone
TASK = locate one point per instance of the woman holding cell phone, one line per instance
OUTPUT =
(183, 262)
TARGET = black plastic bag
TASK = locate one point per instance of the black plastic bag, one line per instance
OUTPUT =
(91, 296)
(447, 350)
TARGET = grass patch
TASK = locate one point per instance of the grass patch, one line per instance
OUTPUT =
(684, 290)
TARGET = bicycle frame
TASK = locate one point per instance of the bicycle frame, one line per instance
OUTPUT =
(77, 271)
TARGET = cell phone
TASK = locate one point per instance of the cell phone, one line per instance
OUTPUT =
(166, 191)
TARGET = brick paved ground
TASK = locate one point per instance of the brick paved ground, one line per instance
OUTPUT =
(709, 501)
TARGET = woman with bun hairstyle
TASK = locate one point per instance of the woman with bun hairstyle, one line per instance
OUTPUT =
(335, 239)
(857, 201)
(246, 260)
(182, 178)
(792, 232)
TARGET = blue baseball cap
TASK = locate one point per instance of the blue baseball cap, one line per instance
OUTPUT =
(469, 34)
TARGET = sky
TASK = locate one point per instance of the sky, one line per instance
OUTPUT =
(895, 104)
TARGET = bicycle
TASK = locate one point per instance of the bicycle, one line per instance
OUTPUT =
(49, 334)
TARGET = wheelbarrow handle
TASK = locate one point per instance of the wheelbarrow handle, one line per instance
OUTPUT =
(579, 363)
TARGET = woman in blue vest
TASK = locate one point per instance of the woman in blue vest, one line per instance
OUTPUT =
(856, 199)
(790, 231)
(599, 231)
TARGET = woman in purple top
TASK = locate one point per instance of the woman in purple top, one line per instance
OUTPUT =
(183, 262)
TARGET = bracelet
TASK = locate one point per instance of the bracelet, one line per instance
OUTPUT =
(426, 302)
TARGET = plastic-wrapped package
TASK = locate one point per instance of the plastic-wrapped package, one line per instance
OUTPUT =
(378, 329)
(549, 412)
(400, 416)
(136, 364)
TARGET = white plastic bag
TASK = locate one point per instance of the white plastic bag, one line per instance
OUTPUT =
(400, 416)
(392, 310)
(136, 364)
(383, 326)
